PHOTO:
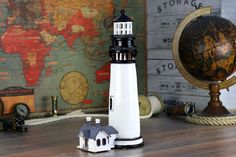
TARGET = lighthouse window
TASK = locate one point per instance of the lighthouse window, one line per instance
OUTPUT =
(129, 56)
(117, 56)
(129, 42)
(120, 56)
(119, 43)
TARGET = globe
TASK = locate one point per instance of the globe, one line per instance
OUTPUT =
(204, 51)
(207, 48)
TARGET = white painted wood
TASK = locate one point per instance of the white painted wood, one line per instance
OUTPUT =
(163, 24)
(160, 62)
(162, 67)
(162, 28)
(100, 136)
(228, 8)
(200, 102)
(159, 40)
(227, 3)
(173, 85)
(112, 138)
(162, 7)
(229, 16)
(123, 99)
(159, 54)
(166, 23)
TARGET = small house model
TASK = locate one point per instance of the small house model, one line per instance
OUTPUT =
(96, 138)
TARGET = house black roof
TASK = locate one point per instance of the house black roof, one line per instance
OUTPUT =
(110, 130)
(122, 17)
(90, 132)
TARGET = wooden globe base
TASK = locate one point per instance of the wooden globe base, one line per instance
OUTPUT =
(215, 106)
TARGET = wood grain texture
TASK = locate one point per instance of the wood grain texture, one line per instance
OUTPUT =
(163, 137)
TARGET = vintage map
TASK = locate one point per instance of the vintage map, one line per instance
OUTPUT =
(44, 40)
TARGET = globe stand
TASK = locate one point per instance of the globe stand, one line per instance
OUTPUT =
(215, 113)
(215, 107)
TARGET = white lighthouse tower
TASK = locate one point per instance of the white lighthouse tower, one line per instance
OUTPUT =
(123, 92)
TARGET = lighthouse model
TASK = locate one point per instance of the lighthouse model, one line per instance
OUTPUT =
(123, 92)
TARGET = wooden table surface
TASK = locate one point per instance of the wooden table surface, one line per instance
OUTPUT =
(163, 137)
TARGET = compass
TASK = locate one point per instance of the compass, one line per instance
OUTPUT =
(22, 110)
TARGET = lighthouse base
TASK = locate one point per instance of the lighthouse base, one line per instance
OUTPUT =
(129, 143)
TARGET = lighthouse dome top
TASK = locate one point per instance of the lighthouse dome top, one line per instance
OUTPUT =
(122, 17)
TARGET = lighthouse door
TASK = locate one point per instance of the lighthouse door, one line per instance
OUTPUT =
(111, 103)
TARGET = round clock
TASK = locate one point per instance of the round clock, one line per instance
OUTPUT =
(22, 110)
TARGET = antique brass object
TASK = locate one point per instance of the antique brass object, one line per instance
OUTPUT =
(215, 106)
(54, 106)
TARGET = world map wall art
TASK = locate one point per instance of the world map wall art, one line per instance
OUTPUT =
(60, 48)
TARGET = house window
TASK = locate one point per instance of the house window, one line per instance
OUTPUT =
(98, 142)
(104, 141)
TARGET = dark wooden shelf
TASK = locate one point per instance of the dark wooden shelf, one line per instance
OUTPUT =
(163, 137)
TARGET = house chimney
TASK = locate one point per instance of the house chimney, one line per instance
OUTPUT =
(97, 122)
(88, 120)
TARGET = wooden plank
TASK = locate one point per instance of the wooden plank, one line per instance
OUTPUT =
(162, 28)
(230, 17)
(159, 40)
(163, 24)
(228, 97)
(159, 54)
(228, 9)
(162, 67)
(200, 102)
(229, 12)
(160, 62)
(162, 7)
(60, 139)
(227, 3)
(167, 23)
(173, 85)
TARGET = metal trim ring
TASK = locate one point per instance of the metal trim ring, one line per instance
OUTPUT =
(175, 48)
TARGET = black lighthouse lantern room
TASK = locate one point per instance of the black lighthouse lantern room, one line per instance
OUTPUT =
(122, 49)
